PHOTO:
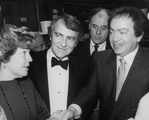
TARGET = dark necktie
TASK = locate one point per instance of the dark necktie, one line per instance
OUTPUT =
(63, 64)
(96, 48)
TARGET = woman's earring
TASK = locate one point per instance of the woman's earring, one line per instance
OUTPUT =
(4, 66)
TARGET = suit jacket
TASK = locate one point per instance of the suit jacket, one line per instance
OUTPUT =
(38, 73)
(103, 86)
(83, 51)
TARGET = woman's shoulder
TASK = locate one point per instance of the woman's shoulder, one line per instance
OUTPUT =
(26, 82)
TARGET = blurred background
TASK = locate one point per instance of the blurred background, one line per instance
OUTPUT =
(30, 13)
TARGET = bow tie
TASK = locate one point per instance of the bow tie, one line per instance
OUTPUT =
(63, 64)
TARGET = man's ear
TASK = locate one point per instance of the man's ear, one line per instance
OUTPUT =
(89, 26)
(50, 38)
(3, 66)
(76, 44)
(140, 37)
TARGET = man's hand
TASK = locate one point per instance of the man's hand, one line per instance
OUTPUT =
(68, 114)
(58, 115)
(71, 113)
(130, 119)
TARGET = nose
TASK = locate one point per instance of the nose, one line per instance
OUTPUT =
(64, 42)
(29, 58)
(115, 37)
(98, 31)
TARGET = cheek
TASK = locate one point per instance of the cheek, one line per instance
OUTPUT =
(131, 44)
(22, 62)
(53, 42)
(16, 68)
(129, 40)
(105, 34)
(110, 38)
(92, 30)
(19, 66)
(54, 45)
(72, 46)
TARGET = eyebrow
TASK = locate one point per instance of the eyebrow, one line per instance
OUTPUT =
(104, 26)
(120, 29)
(67, 36)
(72, 37)
(58, 33)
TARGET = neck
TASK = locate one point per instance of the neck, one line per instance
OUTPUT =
(6, 76)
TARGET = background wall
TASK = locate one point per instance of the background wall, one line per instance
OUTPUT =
(20, 13)
(31, 12)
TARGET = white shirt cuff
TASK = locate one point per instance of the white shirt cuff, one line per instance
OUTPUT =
(79, 111)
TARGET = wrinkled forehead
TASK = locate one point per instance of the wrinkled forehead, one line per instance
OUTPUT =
(101, 18)
(122, 19)
(103, 14)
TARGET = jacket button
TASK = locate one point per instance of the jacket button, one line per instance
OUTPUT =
(133, 108)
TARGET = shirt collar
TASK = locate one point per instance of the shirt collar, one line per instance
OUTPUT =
(101, 45)
(51, 54)
(130, 57)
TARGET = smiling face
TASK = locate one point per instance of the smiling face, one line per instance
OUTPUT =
(122, 36)
(19, 62)
(98, 27)
(63, 40)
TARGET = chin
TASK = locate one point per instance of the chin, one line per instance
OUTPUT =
(24, 74)
(61, 56)
(117, 52)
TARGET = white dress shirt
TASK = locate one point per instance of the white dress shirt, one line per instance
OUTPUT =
(129, 60)
(101, 47)
(58, 84)
(143, 109)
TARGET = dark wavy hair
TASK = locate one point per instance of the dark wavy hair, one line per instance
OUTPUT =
(71, 22)
(12, 37)
(135, 14)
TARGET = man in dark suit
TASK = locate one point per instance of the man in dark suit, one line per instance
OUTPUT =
(121, 76)
(99, 32)
(98, 41)
(58, 75)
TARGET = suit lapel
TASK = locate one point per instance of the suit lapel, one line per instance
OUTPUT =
(41, 76)
(110, 71)
(87, 48)
(131, 85)
(74, 82)
(108, 46)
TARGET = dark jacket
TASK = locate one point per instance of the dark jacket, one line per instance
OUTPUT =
(38, 73)
(83, 51)
(102, 86)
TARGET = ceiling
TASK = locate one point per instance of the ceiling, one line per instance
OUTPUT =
(137, 3)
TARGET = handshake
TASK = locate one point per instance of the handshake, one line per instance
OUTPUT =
(59, 115)
(70, 113)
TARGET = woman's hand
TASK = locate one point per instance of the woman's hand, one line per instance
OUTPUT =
(58, 115)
